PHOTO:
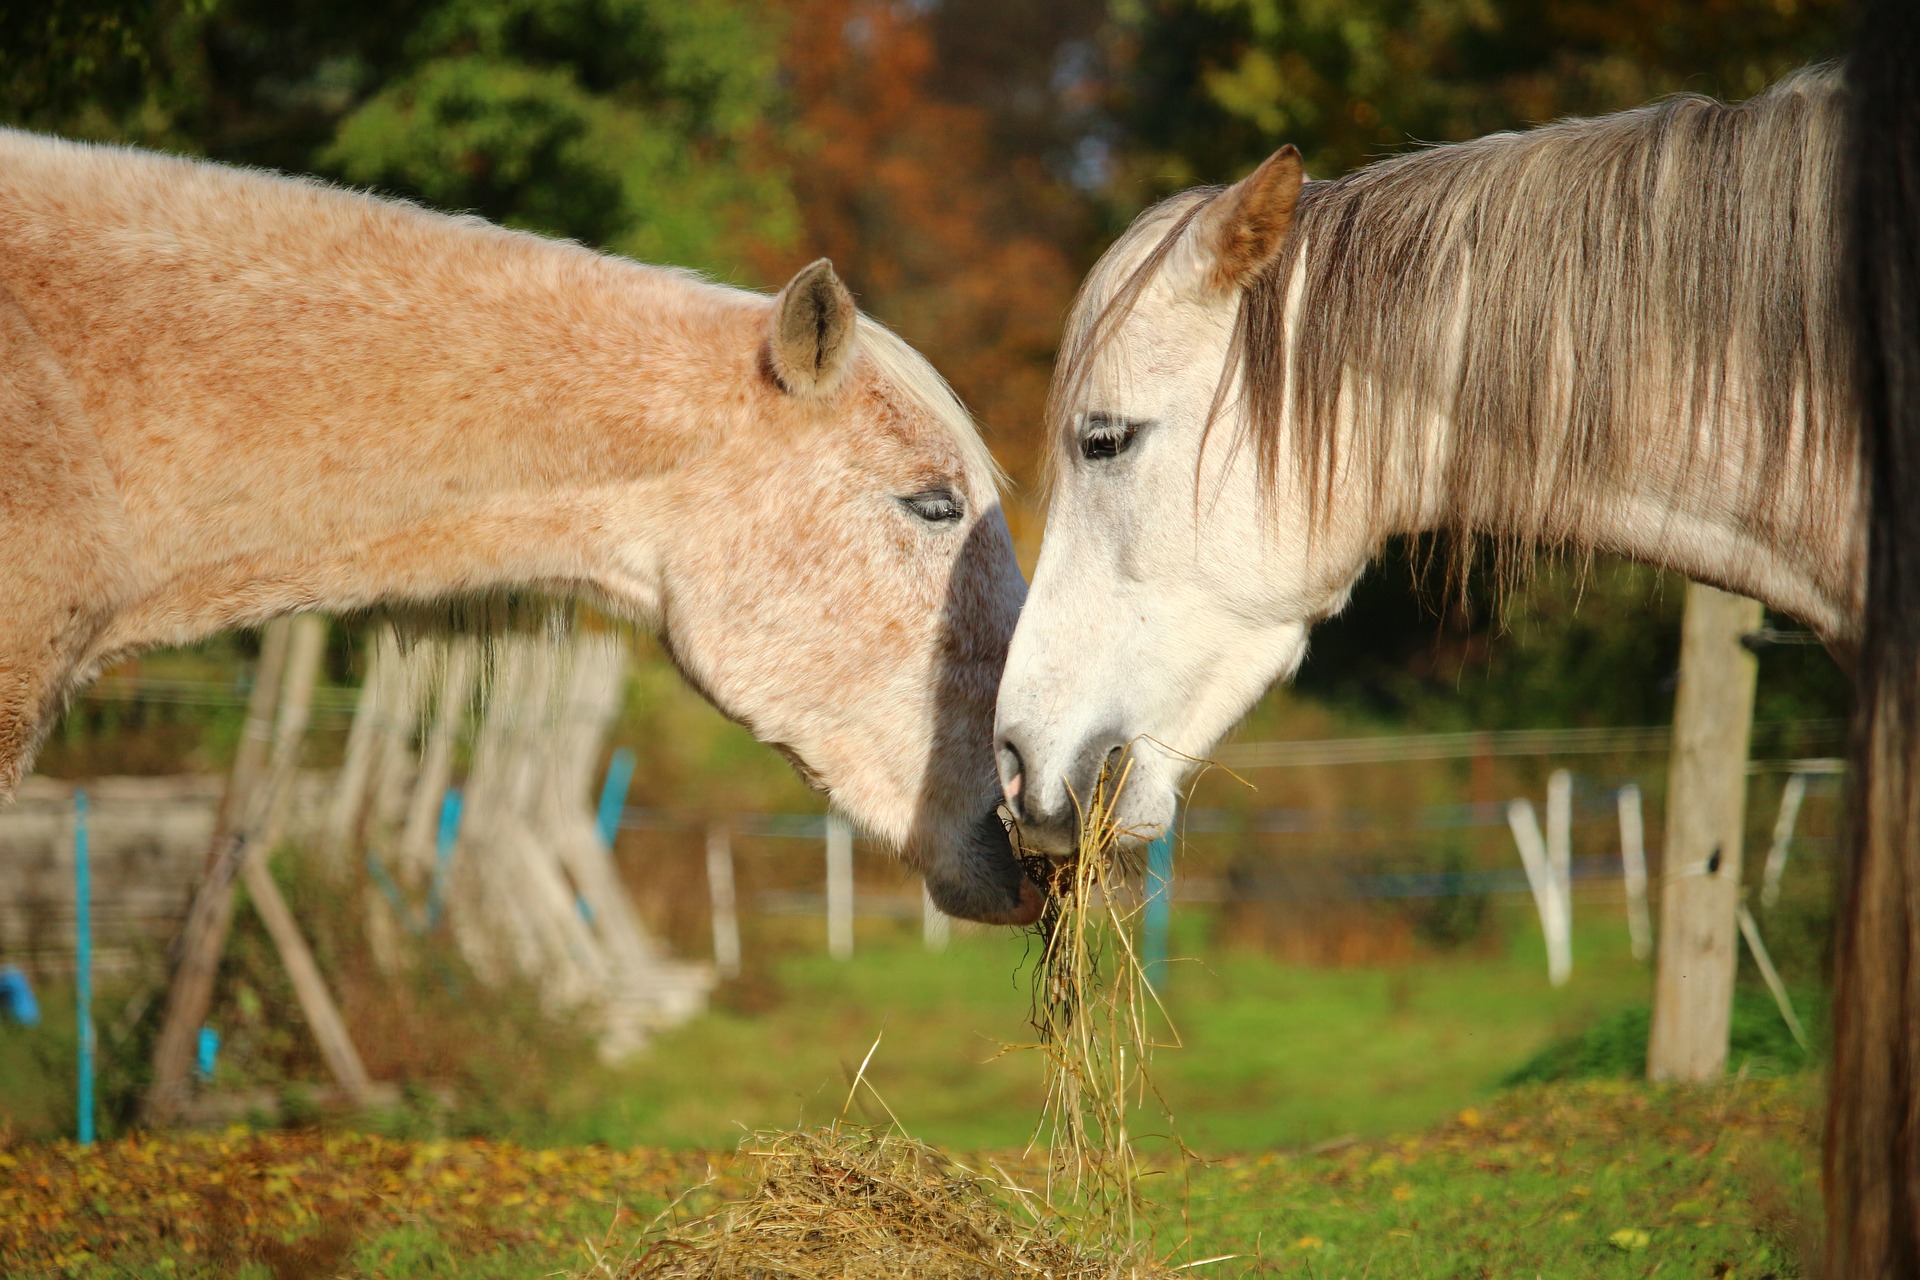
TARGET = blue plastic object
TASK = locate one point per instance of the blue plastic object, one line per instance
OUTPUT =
(83, 964)
(443, 854)
(1153, 945)
(613, 794)
(206, 1052)
(16, 997)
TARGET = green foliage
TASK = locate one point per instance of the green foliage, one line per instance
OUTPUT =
(1615, 1047)
(1572, 644)
(1217, 84)
(624, 123)
(637, 125)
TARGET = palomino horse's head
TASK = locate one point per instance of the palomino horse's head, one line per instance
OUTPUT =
(1174, 584)
(838, 577)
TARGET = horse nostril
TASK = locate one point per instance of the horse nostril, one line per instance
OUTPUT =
(1110, 768)
(1012, 775)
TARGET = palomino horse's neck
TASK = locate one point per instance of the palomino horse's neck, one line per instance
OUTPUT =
(308, 399)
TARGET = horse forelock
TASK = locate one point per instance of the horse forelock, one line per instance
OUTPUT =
(914, 377)
(1104, 302)
(1547, 294)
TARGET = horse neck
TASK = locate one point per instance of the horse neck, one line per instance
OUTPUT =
(1699, 493)
(455, 411)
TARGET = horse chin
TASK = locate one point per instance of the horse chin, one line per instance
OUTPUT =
(985, 883)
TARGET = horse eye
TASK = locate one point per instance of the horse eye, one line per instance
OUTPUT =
(935, 506)
(1106, 436)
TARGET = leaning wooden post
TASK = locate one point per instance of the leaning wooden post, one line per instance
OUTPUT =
(1560, 852)
(1706, 814)
(204, 935)
(1790, 797)
(1545, 884)
(309, 987)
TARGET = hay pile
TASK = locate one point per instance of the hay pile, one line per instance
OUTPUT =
(856, 1203)
(869, 1205)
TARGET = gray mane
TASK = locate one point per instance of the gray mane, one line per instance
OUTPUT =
(1552, 293)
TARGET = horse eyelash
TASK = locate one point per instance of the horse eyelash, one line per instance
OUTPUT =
(935, 506)
(1106, 436)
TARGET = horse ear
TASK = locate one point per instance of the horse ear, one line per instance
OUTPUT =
(1242, 228)
(813, 327)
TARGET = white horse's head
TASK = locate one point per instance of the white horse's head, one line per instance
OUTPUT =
(838, 576)
(1176, 582)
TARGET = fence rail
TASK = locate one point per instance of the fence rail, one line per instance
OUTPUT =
(1402, 748)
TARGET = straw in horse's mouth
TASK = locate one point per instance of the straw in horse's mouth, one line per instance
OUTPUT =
(1096, 1017)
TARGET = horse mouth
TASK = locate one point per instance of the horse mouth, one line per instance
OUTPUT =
(988, 885)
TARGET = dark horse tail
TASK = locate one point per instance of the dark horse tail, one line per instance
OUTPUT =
(1873, 1118)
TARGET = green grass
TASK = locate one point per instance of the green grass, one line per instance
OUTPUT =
(1274, 1055)
(1564, 1181)
(1293, 1083)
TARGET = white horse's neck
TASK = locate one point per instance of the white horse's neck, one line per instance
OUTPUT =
(1675, 504)
(1807, 561)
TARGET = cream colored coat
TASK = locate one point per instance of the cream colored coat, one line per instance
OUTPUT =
(225, 396)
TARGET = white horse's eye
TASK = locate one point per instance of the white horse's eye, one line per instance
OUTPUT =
(1105, 436)
(935, 506)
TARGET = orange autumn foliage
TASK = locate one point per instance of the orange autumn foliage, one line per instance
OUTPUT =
(962, 249)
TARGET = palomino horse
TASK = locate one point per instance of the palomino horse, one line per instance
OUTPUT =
(226, 395)
(1627, 334)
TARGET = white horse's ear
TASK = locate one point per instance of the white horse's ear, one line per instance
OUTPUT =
(813, 328)
(1242, 228)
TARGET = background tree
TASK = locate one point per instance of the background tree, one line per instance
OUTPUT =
(643, 126)
(1213, 86)
(925, 163)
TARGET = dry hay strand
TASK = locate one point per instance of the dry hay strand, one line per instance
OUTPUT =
(1096, 1014)
(868, 1204)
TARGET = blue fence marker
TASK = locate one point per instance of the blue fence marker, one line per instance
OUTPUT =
(443, 855)
(1153, 945)
(83, 962)
(206, 1052)
(16, 996)
(613, 806)
(613, 795)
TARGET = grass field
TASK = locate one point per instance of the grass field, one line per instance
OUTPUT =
(1595, 1180)
(1274, 1055)
(1350, 1123)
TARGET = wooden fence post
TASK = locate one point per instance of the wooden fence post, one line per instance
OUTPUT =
(839, 887)
(204, 934)
(936, 930)
(720, 894)
(1706, 812)
(1633, 866)
(1560, 854)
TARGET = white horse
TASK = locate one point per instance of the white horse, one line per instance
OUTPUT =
(226, 396)
(1626, 334)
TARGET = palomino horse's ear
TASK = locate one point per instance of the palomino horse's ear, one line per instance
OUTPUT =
(813, 327)
(1242, 228)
